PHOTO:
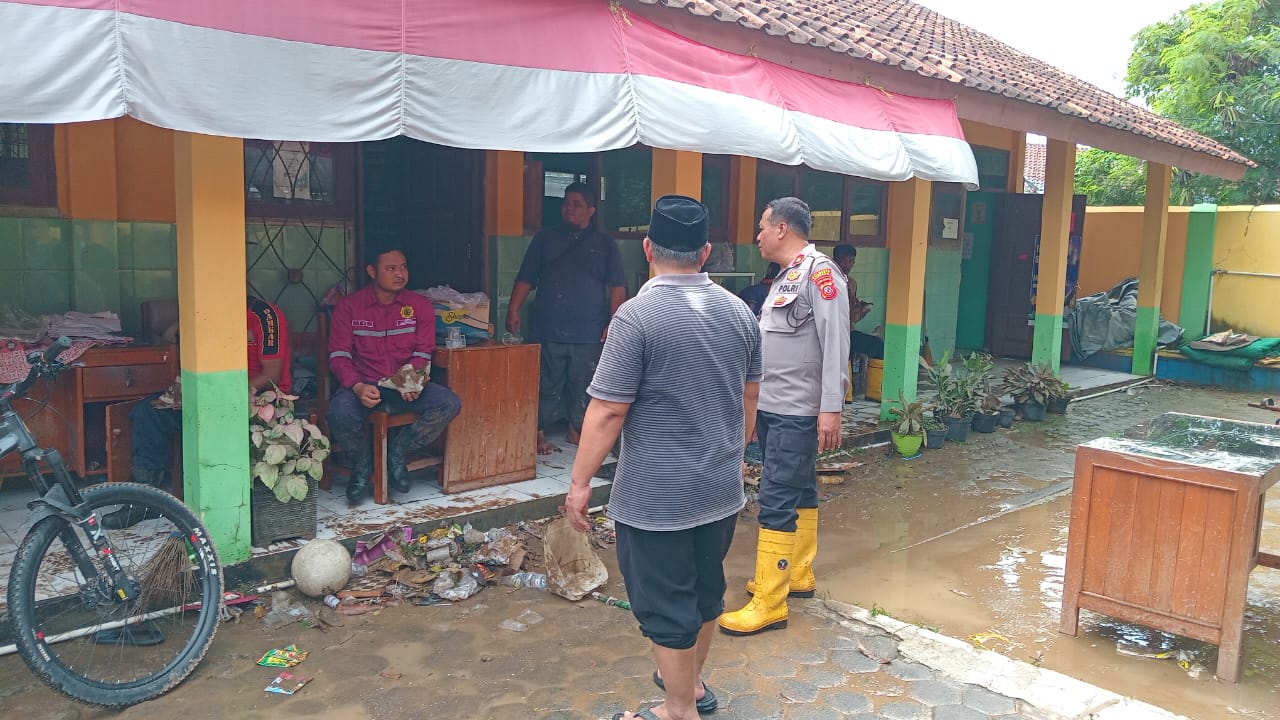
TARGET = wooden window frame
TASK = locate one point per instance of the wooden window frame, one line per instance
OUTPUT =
(879, 240)
(344, 191)
(42, 188)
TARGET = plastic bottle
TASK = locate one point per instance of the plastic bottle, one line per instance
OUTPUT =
(358, 570)
(332, 601)
(526, 579)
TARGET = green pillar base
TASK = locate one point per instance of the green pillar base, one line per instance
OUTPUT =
(901, 364)
(1046, 345)
(1145, 333)
(215, 457)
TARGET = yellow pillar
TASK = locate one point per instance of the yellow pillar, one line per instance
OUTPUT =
(1017, 163)
(504, 193)
(676, 172)
(742, 199)
(86, 164)
(1055, 229)
(209, 184)
(1155, 225)
(908, 240)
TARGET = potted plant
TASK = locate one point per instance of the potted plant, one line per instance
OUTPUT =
(1030, 387)
(1007, 415)
(906, 425)
(953, 400)
(935, 433)
(988, 415)
(985, 404)
(286, 455)
(1059, 396)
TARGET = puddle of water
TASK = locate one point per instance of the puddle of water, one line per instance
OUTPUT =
(1004, 574)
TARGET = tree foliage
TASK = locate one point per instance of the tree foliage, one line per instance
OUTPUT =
(1214, 68)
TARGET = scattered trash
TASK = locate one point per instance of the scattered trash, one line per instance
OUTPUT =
(961, 593)
(573, 568)
(611, 601)
(331, 600)
(526, 579)
(286, 684)
(1185, 659)
(980, 639)
(429, 600)
(513, 625)
(283, 610)
(285, 657)
(390, 675)
(456, 585)
(529, 617)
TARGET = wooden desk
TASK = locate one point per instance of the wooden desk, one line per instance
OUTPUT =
(494, 438)
(1165, 527)
(86, 404)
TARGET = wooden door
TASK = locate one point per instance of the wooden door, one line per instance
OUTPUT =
(119, 442)
(1010, 312)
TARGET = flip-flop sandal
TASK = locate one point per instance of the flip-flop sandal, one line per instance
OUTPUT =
(645, 714)
(707, 705)
(144, 634)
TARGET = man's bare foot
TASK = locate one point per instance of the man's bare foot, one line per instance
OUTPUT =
(544, 447)
(573, 437)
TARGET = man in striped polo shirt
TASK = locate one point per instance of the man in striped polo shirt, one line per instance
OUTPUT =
(678, 378)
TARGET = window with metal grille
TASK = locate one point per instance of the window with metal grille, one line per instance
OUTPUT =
(26, 165)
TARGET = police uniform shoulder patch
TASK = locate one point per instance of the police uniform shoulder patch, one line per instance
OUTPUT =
(826, 283)
(406, 311)
(793, 275)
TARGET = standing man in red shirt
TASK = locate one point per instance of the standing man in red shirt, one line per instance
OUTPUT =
(376, 331)
(154, 428)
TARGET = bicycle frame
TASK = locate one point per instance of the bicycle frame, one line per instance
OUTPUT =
(62, 497)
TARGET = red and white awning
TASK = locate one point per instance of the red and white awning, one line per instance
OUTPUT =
(537, 76)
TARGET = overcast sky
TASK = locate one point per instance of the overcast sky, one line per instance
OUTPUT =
(1090, 39)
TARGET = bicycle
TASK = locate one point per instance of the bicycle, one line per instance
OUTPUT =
(106, 617)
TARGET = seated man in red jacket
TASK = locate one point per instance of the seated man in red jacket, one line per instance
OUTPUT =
(377, 331)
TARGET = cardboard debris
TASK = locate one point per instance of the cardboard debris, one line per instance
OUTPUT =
(573, 568)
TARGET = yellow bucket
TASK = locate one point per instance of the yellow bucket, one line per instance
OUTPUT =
(875, 378)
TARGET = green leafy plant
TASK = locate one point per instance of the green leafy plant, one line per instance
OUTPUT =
(931, 422)
(1030, 383)
(284, 450)
(960, 389)
(907, 418)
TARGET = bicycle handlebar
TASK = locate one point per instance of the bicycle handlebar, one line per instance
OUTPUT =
(42, 362)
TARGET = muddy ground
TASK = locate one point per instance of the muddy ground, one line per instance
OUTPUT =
(967, 540)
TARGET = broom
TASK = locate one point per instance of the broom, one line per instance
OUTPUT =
(166, 581)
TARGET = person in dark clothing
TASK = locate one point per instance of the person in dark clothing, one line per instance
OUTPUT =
(578, 273)
(860, 343)
(754, 296)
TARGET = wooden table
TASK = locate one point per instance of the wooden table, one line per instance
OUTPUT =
(85, 414)
(1165, 528)
(494, 439)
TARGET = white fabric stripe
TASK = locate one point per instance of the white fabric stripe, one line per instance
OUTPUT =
(59, 65)
(422, 355)
(369, 333)
(402, 331)
(211, 81)
(339, 354)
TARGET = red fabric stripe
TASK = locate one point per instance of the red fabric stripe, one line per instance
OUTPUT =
(569, 35)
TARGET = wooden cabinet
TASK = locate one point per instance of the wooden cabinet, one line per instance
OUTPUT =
(494, 439)
(75, 413)
(1165, 528)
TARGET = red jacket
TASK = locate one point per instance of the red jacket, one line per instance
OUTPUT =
(369, 341)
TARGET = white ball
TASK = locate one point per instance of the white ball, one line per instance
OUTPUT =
(321, 567)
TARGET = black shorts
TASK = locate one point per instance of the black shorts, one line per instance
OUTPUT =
(675, 580)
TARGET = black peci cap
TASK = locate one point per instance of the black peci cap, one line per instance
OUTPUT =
(679, 223)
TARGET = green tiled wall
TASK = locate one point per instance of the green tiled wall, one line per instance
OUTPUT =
(941, 298)
(54, 265)
(871, 272)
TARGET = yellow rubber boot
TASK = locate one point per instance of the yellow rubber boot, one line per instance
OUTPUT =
(768, 607)
(803, 583)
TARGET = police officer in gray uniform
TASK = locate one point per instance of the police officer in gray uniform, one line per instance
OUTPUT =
(805, 347)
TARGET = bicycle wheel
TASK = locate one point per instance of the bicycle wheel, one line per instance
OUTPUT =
(78, 636)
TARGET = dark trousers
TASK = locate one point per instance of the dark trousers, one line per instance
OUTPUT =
(675, 579)
(436, 407)
(565, 373)
(861, 343)
(153, 431)
(789, 479)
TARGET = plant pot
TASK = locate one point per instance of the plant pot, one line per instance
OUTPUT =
(985, 423)
(935, 439)
(907, 445)
(1058, 406)
(1007, 416)
(957, 428)
(273, 520)
(1032, 410)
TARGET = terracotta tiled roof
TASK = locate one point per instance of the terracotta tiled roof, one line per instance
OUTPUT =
(911, 37)
(1033, 170)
